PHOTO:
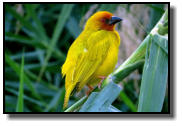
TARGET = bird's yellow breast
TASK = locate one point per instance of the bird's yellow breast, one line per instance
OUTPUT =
(111, 59)
(109, 63)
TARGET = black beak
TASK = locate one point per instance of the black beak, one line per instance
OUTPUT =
(114, 20)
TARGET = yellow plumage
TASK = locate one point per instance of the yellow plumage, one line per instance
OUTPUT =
(94, 53)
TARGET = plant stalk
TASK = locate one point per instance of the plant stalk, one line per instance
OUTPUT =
(76, 105)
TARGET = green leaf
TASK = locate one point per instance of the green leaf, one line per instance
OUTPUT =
(17, 68)
(10, 37)
(57, 99)
(48, 88)
(157, 7)
(63, 16)
(20, 102)
(163, 27)
(43, 82)
(73, 27)
(10, 103)
(100, 102)
(112, 109)
(51, 67)
(108, 7)
(40, 87)
(162, 42)
(22, 20)
(136, 56)
(120, 75)
(127, 101)
(39, 26)
(154, 79)
(156, 12)
(27, 55)
(27, 98)
(76, 105)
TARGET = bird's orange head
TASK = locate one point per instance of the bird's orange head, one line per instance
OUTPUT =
(102, 20)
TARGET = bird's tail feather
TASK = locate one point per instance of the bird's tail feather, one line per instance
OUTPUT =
(66, 99)
(67, 95)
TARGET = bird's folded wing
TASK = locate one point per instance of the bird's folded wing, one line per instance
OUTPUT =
(92, 57)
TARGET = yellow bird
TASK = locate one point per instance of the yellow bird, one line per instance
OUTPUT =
(93, 55)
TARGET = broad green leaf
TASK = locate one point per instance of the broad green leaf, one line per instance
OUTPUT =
(112, 109)
(20, 101)
(100, 102)
(162, 42)
(154, 79)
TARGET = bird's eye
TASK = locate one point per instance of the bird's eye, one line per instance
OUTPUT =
(105, 20)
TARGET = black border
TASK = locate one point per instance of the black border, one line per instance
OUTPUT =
(93, 114)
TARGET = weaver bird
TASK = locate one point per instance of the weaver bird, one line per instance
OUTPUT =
(93, 55)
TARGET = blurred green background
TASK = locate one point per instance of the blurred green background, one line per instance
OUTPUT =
(41, 34)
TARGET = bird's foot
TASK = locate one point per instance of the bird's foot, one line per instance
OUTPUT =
(89, 90)
(102, 79)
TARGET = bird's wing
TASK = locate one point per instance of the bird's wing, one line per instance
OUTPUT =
(92, 57)
(74, 53)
